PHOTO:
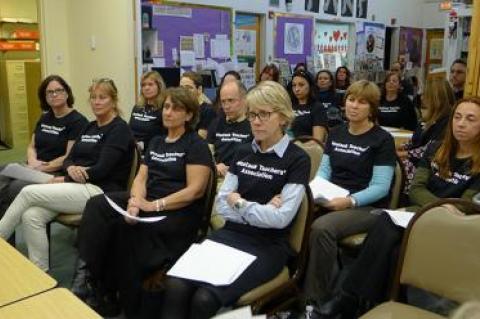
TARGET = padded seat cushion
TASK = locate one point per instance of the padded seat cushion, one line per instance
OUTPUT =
(396, 310)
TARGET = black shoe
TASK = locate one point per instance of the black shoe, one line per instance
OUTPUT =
(80, 286)
(341, 304)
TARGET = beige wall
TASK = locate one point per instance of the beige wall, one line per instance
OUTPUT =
(19, 9)
(69, 30)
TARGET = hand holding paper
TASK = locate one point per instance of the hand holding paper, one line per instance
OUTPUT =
(324, 191)
(126, 214)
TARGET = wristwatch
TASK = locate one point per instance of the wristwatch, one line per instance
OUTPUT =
(239, 204)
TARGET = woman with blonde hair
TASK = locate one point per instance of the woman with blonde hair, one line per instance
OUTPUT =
(146, 119)
(258, 199)
(100, 160)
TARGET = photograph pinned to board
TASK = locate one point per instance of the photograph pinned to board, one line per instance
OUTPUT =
(293, 38)
(362, 7)
(245, 42)
(347, 8)
(274, 3)
(330, 7)
(312, 5)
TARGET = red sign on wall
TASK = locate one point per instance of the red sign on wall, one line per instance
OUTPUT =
(17, 46)
(25, 34)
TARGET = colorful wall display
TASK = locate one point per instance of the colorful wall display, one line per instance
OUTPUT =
(370, 48)
(331, 45)
(293, 37)
(410, 45)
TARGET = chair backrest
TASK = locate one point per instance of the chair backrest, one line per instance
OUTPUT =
(397, 185)
(134, 169)
(208, 200)
(314, 149)
(300, 230)
(441, 255)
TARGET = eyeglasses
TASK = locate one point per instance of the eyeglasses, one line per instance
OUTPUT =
(58, 91)
(262, 116)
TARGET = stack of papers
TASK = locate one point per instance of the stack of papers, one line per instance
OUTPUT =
(211, 262)
(399, 217)
(323, 190)
(25, 173)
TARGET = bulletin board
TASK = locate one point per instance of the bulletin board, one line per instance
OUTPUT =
(293, 37)
(174, 20)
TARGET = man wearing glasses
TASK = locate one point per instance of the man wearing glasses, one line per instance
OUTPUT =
(230, 129)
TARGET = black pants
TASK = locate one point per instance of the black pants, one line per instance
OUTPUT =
(370, 275)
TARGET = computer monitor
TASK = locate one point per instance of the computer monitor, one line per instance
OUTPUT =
(171, 76)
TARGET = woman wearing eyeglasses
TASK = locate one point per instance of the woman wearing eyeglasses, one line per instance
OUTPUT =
(53, 137)
(100, 160)
(258, 199)
(310, 116)
(146, 119)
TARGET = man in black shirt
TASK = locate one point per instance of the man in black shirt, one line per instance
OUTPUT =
(231, 129)
(457, 77)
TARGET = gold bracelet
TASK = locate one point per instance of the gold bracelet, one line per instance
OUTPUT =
(157, 204)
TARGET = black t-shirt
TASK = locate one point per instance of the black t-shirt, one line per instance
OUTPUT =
(397, 113)
(167, 163)
(352, 157)
(263, 175)
(206, 116)
(226, 137)
(107, 151)
(52, 134)
(459, 181)
(146, 122)
(331, 103)
(433, 133)
(306, 117)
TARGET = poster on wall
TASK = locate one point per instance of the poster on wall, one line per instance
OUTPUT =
(293, 38)
(370, 49)
(331, 39)
(347, 8)
(312, 5)
(330, 7)
(245, 42)
(436, 49)
(362, 7)
(410, 45)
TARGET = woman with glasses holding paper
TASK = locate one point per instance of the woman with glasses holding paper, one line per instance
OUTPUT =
(359, 157)
(100, 160)
(259, 199)
(121, 252)
(53, 137)
(448, 170)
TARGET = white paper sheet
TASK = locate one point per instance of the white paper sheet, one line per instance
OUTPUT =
(390, 129)
(399, 217)
(241, 313)
(187, 58)
(324, 190)
(24, 173)
(402, 134)
(211, 262)
(125, 213)
(199, 45)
